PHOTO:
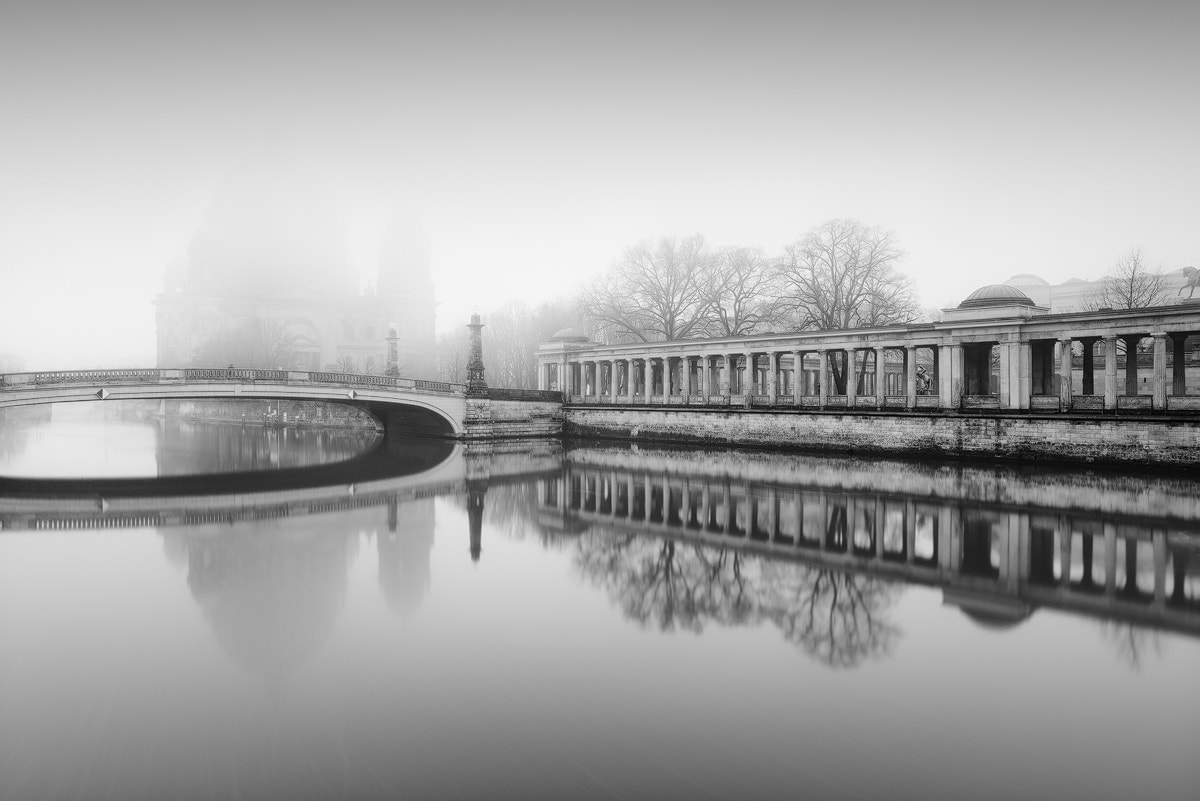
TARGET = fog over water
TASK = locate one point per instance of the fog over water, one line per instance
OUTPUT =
(536, 141)
(586, 620)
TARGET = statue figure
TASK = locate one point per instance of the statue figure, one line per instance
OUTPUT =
(1193, 281)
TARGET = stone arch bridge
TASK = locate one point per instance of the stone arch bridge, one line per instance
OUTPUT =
(397, 404)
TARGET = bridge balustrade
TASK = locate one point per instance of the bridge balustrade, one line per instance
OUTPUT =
(239, 374)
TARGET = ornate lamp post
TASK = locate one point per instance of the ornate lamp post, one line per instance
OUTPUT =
(476, 385)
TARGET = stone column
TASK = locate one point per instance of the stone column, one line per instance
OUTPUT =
(631, 379)
(797, 375)
(880, 376)
(685, 365)
(822, 378)
(727, 384)
(1064, 372)
(772, 375)
(1179, 364)
(851, 377)
(748, 376)
(1110, 373)
(648, 378)
(1160, 371)
(706, 376)
(910, 376)
(1024, 374)
(1089, 367)
(1131, 366)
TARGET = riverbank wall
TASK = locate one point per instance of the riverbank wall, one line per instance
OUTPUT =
(1161, 442)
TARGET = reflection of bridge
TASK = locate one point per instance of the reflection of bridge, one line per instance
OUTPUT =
(996, 559)
(407, 404)
(420, 469)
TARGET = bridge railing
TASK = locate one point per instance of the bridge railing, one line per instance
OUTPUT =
(224, 374)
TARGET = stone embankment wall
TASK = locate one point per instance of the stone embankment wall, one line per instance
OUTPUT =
(487, 417)
(1130, 440)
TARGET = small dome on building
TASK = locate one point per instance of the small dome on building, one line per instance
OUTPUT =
(1026, 279)
(995, 295)
(569, 335)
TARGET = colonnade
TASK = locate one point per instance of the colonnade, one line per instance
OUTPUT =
(814, 378)
(1126, 361)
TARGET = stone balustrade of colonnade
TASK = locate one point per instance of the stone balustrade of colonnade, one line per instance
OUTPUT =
(995, 352)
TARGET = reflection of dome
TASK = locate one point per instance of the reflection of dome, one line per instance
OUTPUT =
(271, 227)
(1026, 279)
(995, 295)
(569, 335)
(271, 598)
(993, 619)
(987, 610)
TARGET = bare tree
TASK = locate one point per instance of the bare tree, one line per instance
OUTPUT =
(743, 292)
(369, 365)
(345, 364)
(451, 357)
(842, 274)
(259, 343)
(654, 292)
(1130, 285)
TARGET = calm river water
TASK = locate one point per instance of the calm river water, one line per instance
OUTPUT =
(412, 619)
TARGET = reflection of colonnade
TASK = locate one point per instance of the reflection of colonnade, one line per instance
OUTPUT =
(995, 351)
(997, 562)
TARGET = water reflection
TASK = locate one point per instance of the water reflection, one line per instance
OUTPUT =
(853, 529)
(839, 618)
(480, 635)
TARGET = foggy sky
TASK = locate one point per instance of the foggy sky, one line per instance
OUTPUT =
(536, 141)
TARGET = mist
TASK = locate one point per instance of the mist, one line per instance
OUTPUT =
(533, 143)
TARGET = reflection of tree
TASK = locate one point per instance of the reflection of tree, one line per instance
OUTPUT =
(1131, 642)
(835, 617)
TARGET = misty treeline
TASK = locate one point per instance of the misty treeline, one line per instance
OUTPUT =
(841, 274)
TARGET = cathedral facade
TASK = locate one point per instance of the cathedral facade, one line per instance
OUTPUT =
(271, 254)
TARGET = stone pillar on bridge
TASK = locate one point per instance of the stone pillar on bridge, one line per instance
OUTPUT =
(476, 385)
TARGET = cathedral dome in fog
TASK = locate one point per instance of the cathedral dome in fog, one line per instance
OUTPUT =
(271, 226)
(404, 267)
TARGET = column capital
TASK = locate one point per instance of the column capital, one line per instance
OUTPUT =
(1159, 335)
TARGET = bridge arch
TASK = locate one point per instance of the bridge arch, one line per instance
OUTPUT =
(403, 404)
